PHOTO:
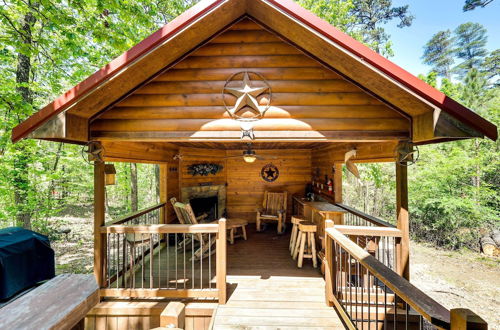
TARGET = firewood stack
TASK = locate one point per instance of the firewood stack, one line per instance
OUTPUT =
(490, 244)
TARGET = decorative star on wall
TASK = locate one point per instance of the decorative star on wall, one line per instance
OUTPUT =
(246, 96)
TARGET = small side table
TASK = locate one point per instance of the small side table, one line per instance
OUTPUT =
(233, 225)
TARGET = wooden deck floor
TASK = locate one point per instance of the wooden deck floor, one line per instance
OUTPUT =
(268, 291)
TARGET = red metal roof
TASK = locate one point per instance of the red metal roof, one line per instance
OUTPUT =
(292, 9)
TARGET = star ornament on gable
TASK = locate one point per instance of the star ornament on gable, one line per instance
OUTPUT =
(247, 96)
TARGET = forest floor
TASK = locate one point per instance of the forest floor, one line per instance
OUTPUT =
(455, 279)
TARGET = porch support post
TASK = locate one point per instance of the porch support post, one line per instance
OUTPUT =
(163, 192)
(220, 255)
(403, 222)
(337, 191)
(99, 217)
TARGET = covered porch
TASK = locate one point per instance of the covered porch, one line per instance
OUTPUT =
(236, 99)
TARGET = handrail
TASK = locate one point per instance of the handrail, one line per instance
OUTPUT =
(418, 300)
(365, 216)
(161, 229)
(136, 214)
(369, 231)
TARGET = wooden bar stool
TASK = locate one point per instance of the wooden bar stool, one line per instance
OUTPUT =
(295, 232)
(307, 243)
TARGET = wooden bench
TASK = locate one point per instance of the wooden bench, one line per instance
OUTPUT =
(60, 303)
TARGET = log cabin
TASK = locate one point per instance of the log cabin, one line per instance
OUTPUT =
(245, 104)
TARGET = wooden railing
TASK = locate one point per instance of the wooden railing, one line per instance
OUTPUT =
(369, 295)
(383, 243)
(158, 260)
(355, 217)
(147, 216)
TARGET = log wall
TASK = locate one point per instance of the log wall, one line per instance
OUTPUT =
(245, 186)
(306, 96)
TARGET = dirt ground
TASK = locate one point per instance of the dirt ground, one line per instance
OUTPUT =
(455, 279)
(458, 279)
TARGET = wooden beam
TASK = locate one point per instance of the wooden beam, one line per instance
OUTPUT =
(163, 192)
(337, 190)
(312, 73)
(138, 152)
(262, 136)
(99, 218)
(403, 223)
(285, 111)
(164, 293)
(285, 124)
(278, 86)
(65, 126)
(369, 231)
(438, 125)
(278, 99)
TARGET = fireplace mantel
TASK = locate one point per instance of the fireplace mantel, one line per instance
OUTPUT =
(187, 193)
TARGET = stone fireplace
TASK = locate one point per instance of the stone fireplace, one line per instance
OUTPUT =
(200, 198)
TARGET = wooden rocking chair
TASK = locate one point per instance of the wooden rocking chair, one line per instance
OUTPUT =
(273, 209)
(186, 215)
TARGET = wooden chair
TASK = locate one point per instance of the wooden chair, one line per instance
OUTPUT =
(186, 215)
(273, 209)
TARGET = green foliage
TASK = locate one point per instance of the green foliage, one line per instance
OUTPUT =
(62, 42)
(470, 46)
(473, 4)
(438, 53)
(491, 66)
(335, 12)
(362, 19)
(371, 14)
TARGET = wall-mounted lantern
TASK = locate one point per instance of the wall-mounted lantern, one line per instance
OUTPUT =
(110, 174)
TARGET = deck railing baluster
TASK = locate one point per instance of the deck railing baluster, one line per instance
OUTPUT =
(145, 261)
(184, 255)
(176, 261)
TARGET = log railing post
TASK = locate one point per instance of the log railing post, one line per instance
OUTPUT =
(465, 319)
(173, 316)
(221, 261)
(403, 223)
(163, 192)
(337, 191)
(328, 266)
(99, 217)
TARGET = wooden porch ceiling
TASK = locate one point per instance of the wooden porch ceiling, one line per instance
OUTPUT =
(255, 145)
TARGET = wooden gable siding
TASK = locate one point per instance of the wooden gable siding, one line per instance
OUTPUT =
(305, 95)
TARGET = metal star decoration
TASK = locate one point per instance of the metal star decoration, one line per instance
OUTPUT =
(246, 96)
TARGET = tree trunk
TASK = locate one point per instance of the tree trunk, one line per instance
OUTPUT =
(157, 182)
(134, 200)
(22, 158)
